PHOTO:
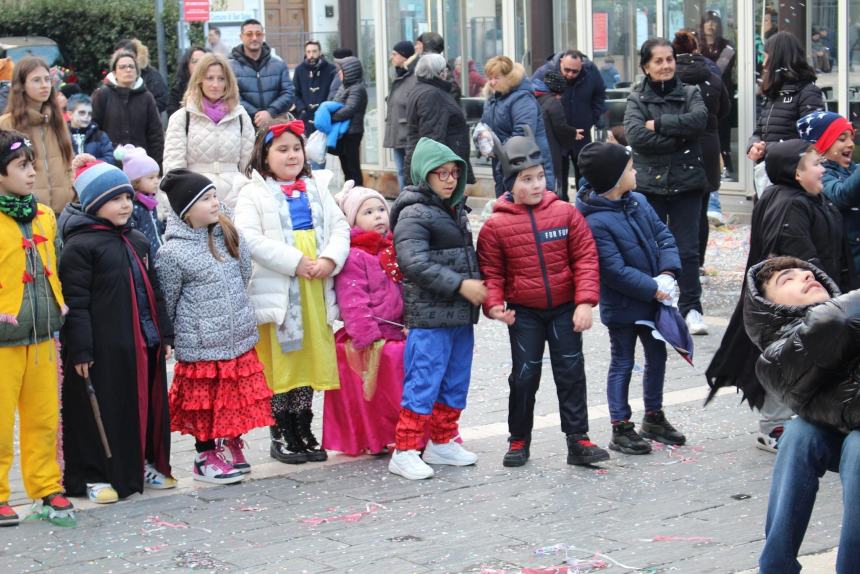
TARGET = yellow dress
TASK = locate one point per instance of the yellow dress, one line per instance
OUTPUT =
(315, 364)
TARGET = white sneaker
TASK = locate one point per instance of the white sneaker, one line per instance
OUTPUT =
(450, 452)
(696, 323)
(716, 219)
(408, 464)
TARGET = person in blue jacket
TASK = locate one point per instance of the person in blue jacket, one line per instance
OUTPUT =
(638, 264)
(86, 135)
(512, 105)
(265, 87)
(833, 136)
(584, 98)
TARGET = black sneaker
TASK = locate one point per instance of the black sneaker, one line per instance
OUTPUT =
(656, 427)
(582, 451)
(625, 439)
(518, 453)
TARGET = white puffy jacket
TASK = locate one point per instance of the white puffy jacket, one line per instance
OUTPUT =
(275, 262)
(219, 151)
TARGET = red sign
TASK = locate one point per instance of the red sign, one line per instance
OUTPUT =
(196, 11)
(599, 31)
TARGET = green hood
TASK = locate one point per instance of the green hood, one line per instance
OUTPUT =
(430, 154)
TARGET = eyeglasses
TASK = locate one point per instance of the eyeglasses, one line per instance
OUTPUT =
(126, 67)
(445, 175)
(253, 34)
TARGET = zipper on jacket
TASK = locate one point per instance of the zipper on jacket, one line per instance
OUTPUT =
(260, 87)
(540, 258)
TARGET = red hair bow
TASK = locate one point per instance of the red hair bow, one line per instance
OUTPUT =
(295, 126)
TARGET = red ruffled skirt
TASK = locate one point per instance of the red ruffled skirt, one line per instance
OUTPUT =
(220, 399)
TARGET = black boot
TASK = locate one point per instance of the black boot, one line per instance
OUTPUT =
(656, 427)
(286, 445)
(625, 439)
(518, 452)
(582, 451)
(303, 430)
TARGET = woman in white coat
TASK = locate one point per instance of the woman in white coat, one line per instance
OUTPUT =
(211, 134)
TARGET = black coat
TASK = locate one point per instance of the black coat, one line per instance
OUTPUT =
(435, 253)
(434, 113)
(130, 116)
(778, 118)
(156, 85)
(785, 221)
(312, 85)
(693, 69)
(177, 92)
(810, 353)
(668, 160)
(353, 95)
(104, 314)
(560, 135)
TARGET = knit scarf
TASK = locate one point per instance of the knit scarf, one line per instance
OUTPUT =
(215, 110)
(291, 333)
(150, 202)
(21, 208)
(380, 245)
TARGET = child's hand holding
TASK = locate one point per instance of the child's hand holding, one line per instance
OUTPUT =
(499, 313)
(322, 268)
(473, 291)
(304, 268)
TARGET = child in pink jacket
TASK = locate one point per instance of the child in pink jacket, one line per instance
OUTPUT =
(361, 415)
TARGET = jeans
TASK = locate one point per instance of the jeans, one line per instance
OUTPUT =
(399, 159)
(437, 367)
(806, 452)
(681, 213)
(714, 202)
(622, 341)
(529, 334)
(348, 150)
(704, 228)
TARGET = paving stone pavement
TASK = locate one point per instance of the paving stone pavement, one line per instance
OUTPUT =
(695, 509)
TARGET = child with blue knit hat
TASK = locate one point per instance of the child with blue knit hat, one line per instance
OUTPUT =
(115, 341)
(833, 136)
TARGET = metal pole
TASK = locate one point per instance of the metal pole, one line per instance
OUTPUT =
(159, 36)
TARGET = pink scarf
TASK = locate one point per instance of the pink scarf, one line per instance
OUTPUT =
(150, 202)
(215, 110)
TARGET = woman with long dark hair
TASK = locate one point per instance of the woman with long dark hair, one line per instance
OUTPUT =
(183, 73)
(33, 110)
(663, 121)
(789, 91)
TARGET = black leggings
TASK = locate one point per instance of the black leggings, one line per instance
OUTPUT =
(348, 150)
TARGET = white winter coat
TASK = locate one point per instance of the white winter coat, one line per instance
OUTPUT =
(257, 217)
(219, 151)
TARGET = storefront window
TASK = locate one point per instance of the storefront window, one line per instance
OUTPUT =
(371, 142)
(715, 24)
(564, 21)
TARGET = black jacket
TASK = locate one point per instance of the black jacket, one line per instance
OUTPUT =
(435, 253)
(810, 353)
(177, 92)
(694, 70)
(312, 85)
(105, 311)
(785, 221)
(434, 113)
(157, 87)
(668, 160)
(560, 135)
(352, 94)
(130, 116)
(584, 98)
(778, 118)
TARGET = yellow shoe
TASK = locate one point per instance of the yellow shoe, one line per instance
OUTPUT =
(156, 480)
(101, 493)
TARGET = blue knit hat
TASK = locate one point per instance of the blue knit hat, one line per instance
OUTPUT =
(99, 182)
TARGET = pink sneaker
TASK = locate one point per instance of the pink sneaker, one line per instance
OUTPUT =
(211, 467)
(234, 447)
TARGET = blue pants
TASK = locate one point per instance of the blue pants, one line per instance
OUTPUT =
(438, 367)
(529, 334)
(399, 159)
(622, 339)
(806, 452)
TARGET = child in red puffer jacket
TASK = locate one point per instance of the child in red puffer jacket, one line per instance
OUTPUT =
(537, 256)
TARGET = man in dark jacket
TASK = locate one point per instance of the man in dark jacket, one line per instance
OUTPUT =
(584, 97)
(265, 87)
(312, 80)
(810, 346)
(403, 60)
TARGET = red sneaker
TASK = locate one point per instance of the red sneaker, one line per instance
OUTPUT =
(58, 502)
(8, 516)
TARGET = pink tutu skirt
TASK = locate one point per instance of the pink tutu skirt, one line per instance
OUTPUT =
(361, 416)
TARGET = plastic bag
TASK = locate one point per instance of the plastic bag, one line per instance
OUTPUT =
(482, 136)
(315, 148)
(760, 178)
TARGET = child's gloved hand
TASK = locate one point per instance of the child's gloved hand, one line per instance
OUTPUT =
(667, 289)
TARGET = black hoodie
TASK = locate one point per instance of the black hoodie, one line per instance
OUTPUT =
(810, 353)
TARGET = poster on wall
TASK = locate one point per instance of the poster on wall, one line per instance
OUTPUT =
(600, 31)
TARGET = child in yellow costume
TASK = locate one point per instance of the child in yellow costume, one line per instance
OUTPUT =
(31, 309)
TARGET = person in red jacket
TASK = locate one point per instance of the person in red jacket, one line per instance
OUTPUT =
(538, 257)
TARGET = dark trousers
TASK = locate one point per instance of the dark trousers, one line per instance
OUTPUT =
(622, 341)
(571, 156)
(681, 213)
(529, 334)
(704, 228)
(348, 151)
